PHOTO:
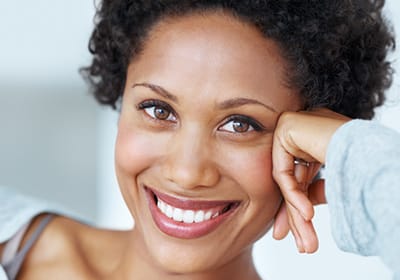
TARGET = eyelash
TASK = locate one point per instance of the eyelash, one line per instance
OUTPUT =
(256, 126)
(156, 104)
(245, 119)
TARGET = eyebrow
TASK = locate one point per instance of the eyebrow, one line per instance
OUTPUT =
(227, 104)
(159, 90)
(237, 102)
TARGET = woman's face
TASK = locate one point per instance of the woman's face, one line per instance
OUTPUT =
(193, 152)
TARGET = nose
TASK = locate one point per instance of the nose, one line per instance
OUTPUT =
(190, 162)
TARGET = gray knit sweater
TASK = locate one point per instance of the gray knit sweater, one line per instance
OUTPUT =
(363, 191)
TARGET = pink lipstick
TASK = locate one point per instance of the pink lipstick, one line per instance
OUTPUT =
(186, 218)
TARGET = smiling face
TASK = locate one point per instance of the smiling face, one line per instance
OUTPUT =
(195, 137)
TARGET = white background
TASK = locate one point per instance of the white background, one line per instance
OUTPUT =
(57, 144)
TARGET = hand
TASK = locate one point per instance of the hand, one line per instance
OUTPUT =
(304, 137)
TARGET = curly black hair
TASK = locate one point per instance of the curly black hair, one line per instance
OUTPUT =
(336, 51)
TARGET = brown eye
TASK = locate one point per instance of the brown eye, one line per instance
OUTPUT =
(158, 110)
(239, 126)
(161, 113)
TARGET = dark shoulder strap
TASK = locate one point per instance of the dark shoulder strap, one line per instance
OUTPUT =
(13, 267)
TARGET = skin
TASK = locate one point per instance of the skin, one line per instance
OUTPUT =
(304, 135)
(67, 249)
(203, 67)
(210, 74)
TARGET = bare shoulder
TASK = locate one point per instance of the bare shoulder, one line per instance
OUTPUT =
(66, 248)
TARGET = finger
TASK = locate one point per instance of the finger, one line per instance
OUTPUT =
(289, 173)
(316, 192)
(281, 224)
(301, 173)
(305, 231)
(295, 233)
(304, 175)
(295, 196)
(284, 174)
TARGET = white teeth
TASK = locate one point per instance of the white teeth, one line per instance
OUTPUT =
(178, 215)
(186, 216)
(208, 215)
(162, 206)
(169, 211)
(199, 216)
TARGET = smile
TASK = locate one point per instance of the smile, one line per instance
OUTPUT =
(184, 218)
(189, 216)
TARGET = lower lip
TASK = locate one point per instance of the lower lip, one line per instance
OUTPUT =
(183, 230)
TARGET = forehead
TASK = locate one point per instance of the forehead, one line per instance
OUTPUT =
(214, 53)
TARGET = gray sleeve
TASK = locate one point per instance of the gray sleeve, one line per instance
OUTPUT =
(17, 209)
(363, 190)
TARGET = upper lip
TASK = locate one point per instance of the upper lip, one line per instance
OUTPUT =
(190, 204)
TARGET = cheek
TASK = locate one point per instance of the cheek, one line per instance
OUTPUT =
(253, 170)
(135, 151)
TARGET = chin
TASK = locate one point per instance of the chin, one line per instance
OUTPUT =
(215, 252)
(182, 257)
(195, 261)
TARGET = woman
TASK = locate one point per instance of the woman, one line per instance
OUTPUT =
(200, 86)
